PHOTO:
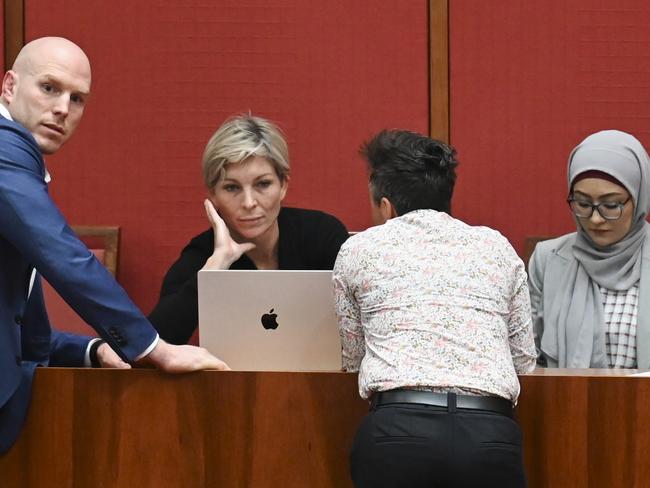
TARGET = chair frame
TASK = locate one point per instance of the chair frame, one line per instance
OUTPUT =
(529, 246)
(110, 238)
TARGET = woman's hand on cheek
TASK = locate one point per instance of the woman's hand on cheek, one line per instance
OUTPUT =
(226, 250)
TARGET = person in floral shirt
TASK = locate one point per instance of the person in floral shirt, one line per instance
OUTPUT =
(435, 316)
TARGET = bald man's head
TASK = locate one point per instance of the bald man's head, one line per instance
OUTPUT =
(46, 90)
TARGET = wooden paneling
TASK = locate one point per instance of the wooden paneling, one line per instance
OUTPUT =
(439, 69)
(108, 428)
(14, 30)
(102, 428)
(585, 431)
(2, 33)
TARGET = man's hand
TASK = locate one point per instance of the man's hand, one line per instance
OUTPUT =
(182, 359)
(226, 249)
(109, 358)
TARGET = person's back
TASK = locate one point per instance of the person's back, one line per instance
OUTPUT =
(438, 292)
(435, 316)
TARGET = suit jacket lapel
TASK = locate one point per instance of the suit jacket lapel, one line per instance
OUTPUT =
(643, 310)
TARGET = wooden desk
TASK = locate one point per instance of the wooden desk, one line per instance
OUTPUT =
(103, 428)
(586, 428)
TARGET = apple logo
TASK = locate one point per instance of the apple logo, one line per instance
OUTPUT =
(269, 320)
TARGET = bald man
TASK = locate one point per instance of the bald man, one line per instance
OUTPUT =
(42, 100)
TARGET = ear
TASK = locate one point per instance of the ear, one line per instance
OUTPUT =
(285, 186)
(213, 199)
(386, 209)
(9, 83)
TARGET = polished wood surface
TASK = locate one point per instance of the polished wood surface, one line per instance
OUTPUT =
(103, 428)
(439, 69)
(14, 30)
(142, 428)
(591, 429)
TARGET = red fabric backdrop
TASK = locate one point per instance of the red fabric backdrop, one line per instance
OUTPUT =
(529, 80)
(166, 74)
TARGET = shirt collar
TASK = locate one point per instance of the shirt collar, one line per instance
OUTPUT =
(4, 111)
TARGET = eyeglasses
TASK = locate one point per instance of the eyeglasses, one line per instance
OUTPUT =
(584, 209)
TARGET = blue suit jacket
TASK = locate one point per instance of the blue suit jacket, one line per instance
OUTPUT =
(34, 234)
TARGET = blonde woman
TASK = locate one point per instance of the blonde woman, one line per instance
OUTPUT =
(246, 171)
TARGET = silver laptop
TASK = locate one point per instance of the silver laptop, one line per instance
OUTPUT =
(269, 320)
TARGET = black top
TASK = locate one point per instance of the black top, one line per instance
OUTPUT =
(309, 239)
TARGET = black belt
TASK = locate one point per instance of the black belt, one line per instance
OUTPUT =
(451, 401)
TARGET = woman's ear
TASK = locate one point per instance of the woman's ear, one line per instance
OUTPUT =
(284, 181)
(213, 199)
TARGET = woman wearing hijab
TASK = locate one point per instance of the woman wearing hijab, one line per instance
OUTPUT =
(590, 290)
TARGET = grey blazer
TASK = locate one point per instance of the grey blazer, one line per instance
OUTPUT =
(545, 280)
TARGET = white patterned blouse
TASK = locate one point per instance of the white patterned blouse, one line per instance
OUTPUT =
(426, 301)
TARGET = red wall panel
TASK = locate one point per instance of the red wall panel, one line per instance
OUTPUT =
(529, 80)
(166, 74)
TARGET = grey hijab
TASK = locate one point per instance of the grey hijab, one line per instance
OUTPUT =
(576, 322)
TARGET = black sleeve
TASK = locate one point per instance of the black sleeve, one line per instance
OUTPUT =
(176, 315)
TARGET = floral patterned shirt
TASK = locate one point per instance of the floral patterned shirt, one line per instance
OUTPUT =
(426, 301)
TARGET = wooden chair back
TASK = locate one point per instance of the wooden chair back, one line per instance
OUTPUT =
(104, 242)
(529, 246)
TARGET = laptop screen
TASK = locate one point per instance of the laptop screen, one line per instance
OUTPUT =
(263, 320)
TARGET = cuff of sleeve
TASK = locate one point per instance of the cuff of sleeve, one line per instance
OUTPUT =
(149, 349)
(87, 355)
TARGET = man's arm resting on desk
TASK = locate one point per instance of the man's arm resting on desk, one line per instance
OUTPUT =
(180, 359)
(72, 350)
(100, 355)
(167, 357)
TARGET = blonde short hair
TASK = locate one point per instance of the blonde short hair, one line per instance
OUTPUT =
(240, 138)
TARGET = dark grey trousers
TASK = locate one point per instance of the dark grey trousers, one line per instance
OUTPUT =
(411, 445)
